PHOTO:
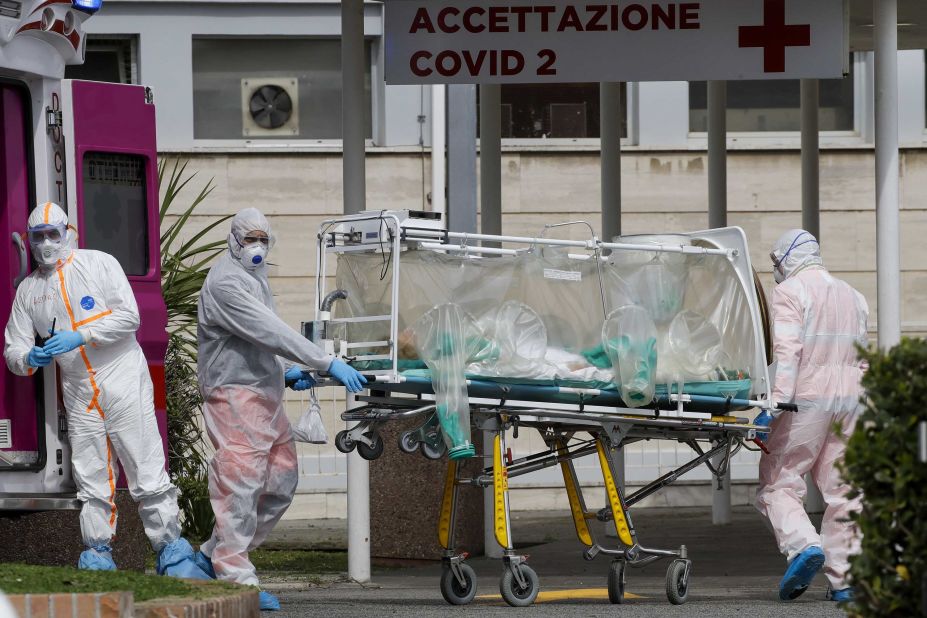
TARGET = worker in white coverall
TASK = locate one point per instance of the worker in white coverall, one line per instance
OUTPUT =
(81, 302)
(242, 344)
(818, 322)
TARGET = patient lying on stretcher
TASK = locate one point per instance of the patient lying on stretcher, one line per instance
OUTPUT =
(513, 346)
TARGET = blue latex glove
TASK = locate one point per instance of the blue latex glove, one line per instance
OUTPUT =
(347, 375)
(763, 419)
(63, 341)
(38, 357)
(298, 380)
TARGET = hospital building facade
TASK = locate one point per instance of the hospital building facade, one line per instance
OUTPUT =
(202, 59)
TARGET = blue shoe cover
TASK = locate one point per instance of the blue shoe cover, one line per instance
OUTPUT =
(844, 595)
(204, 563)
(98, 558)
(176, 560)
(801, 571)
(269, 602)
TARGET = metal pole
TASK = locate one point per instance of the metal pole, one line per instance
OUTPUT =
(354, 181)
(438, 145)
(352, 105)
(610, 137)
(888, 255)
(721, 496)
(461, 156)
(490, 159)
(810, 158)
(717, 154)
(717, 217)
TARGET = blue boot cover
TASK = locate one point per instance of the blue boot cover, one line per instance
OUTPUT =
(99, 558)
(269, 602)
(801, 571)
(844, 595)
(204, 563)
(176, 560)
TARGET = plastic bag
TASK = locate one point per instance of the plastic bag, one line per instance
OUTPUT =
(446, 338)
(695, 343)
(309, 428)
(629, 337)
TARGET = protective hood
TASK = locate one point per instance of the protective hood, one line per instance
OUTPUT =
(796, 249)
(251, 257)
(49, 236)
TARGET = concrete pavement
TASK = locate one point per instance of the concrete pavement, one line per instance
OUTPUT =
(736, 569)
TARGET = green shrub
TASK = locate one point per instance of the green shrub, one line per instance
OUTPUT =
(882, 464)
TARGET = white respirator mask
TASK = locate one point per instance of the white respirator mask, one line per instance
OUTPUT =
(252, 256)
(49, 244)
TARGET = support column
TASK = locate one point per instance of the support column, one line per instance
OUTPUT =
(717, 154)
(810, 158)
(461, 155)
(717, 217)
(490, 159)
(354, 181)
(610, 136)
(438, 145)
(888, 253)
(353, 104)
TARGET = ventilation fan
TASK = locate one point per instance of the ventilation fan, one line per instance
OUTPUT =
(270, 106)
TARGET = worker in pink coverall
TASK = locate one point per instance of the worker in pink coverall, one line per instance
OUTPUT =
(818, 322)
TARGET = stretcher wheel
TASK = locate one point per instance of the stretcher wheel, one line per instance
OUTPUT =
(344, 443)
(515, 595)
(371, 452)
(408, 442)
(677, 585)
(616, 582)
(432, 452)
(452, 591)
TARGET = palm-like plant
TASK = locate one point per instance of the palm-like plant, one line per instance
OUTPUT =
(184, 266)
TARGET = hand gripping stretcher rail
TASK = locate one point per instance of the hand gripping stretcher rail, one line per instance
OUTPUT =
(682, 334)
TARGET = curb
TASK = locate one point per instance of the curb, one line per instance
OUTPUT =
(122, 605)
(95, 605)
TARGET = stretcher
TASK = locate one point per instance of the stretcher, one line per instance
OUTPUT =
(681, 358)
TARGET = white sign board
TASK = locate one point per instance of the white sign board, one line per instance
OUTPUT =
(535, 41)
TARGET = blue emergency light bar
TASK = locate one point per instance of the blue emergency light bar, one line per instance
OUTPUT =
(87, 6)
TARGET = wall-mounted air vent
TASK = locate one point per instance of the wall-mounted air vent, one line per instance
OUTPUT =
(11, 8)
(6, 436)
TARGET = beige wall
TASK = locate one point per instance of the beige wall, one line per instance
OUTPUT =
(662, 192)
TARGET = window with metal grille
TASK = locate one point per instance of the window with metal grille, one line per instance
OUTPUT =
(11, 8)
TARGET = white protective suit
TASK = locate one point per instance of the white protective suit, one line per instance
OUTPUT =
(105, 383)
(818, 321)
(253, 475)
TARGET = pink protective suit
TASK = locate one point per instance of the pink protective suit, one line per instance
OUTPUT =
(818, 320)
(242, 347)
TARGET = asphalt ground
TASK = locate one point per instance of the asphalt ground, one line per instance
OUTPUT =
(736, 568)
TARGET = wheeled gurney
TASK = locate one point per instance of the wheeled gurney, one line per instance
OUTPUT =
(594, 345)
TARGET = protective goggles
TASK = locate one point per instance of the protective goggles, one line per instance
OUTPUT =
(252, 239)
(41, 233)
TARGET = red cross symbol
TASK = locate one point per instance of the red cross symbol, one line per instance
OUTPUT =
(774, 36)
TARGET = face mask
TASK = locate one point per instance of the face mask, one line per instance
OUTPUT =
(252, 256)
(48, 252)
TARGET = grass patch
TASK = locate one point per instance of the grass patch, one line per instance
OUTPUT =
(29, 579)
(299, 561)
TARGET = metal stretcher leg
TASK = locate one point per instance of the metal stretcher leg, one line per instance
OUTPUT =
(634, 554)
(458, 579)
(574, 495)
(519, 585)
